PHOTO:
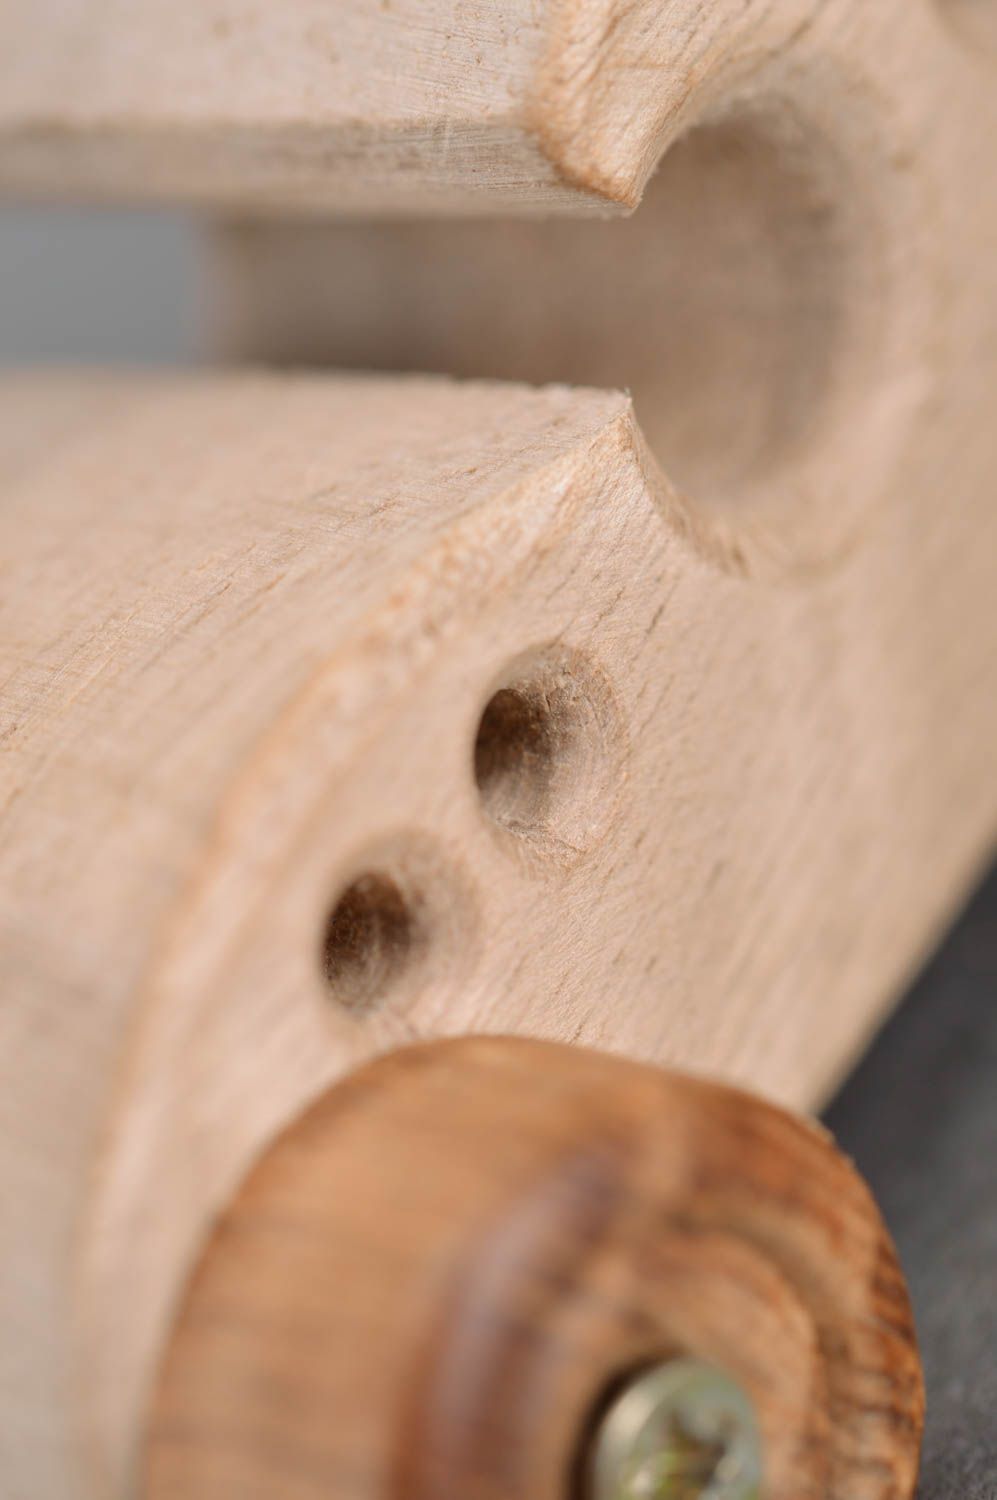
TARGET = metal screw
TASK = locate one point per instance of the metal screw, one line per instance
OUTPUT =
(680, 1431)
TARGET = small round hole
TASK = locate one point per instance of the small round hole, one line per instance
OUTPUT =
(371, 936)
(515, 757)
(547, 751)
(403, 920)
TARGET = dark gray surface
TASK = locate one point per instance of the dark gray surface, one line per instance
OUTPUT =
(920, 1118)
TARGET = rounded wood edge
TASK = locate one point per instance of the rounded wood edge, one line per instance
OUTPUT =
(432, 1280)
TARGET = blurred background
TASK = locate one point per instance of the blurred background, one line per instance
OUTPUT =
(92, 287)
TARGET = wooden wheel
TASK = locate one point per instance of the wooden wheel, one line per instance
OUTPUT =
(439, 1280)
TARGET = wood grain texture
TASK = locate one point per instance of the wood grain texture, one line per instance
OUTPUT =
(342, 711)
(428, 1284)
(803, 306)
(455, 106)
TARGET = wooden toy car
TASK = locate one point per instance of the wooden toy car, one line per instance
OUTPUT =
(410, 779)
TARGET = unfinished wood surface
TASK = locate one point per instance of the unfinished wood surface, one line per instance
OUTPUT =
(428, 1285)
(428, 105)
(804, 305)
(338, 712)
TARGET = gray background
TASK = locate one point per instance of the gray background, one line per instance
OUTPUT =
(87, 287)
(920, 1118)
(920, 1114)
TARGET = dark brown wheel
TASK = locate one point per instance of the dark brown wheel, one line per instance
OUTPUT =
(495, 1269)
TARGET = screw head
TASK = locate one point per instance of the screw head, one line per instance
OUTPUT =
(682, 1430)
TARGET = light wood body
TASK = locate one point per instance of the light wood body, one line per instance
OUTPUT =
(455, 105)
(247, 645)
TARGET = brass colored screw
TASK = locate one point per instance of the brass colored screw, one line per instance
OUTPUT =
(680, 1431)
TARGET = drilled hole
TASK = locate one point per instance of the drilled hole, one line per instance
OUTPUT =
(372, 936)
(547, 753)
(515, 757)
